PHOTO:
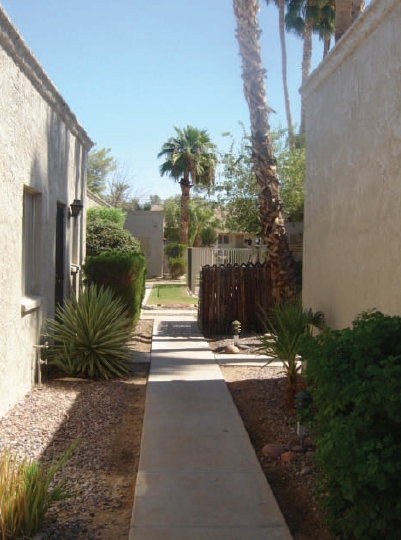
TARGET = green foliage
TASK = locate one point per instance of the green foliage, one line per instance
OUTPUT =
(286, 328)
(27, 491)
(354, 376)
(90, 335)
(190, 154)
(175, 250)
(109, 215)
(178, 267)
(172, 218)
(237, 190)
(124, 273)
(208, 236)
(102, 236)
(100, 165)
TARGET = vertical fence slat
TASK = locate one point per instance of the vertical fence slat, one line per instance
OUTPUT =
(230, 292)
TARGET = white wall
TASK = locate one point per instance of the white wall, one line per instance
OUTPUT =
(147, 226)
(45, 149)
(352, 232)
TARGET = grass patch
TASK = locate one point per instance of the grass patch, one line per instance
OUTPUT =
(170, 294)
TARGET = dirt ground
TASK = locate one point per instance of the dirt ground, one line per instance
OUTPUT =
(107, 417)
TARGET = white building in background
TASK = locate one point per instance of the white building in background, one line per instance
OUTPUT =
(43, 155)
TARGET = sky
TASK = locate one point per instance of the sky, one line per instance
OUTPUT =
(131, 70)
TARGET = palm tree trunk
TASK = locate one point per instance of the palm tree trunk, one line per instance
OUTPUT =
(185, 188)
(306, 63)
(283, 274)
(343, 17)
(281, 16)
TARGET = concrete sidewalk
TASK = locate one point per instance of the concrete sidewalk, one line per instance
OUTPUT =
(198, 477)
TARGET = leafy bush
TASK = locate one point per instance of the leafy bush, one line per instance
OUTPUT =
(177, 267)
(286, 327)
(26, 495)
(354, 376)
(90, 335)
(104, 236)
(175, 251)
(123, 273)
(109, 215)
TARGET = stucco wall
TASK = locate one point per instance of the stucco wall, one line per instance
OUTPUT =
(45, 149)
(148, 228)
(352, 233)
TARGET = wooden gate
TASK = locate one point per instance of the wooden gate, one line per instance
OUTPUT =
(233, 292)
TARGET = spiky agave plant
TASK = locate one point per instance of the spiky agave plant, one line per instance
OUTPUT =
(27, 490)
(90, 335)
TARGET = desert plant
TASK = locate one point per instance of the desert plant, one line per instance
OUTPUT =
(89, 336)
(354, 376)
(177, 267)
(27, 491)
(286, 327)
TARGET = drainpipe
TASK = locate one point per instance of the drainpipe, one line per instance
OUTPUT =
(39, 361)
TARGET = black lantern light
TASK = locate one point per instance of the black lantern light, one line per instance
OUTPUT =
(76, 208)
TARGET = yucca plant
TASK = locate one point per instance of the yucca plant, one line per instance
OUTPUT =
(286, 327)
(26, 494)
(90, 335)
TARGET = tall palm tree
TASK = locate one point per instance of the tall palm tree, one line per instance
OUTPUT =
(347, 11)
(190, 160)
(283, 274)
(304, 17)
(281, 18)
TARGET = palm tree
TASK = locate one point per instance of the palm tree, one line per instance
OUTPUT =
(303, 17)
(347, 11)
(191, 160)
(283, 273)
(281, 16)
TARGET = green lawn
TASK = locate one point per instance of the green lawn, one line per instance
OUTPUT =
(170, 294)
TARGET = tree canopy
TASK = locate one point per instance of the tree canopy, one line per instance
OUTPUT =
(100, 165)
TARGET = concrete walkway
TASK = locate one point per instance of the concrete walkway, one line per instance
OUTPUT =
(198, 477)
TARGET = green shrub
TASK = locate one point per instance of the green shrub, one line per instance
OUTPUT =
(90, 335)
(123, 273)
(175, 251)
(109, 215)
(104, 236)
(354, 376)
(27, 491)
(177, 267)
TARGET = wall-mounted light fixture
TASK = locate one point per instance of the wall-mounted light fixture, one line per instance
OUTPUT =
(76, 208)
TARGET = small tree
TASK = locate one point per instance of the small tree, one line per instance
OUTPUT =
(100, 165)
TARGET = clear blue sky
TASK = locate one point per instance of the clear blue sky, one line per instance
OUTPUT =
(130, 70)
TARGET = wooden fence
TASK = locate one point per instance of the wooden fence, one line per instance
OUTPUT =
(233, 292)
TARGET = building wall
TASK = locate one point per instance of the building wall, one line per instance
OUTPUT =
(352, 233)
(147, 226)
(43, 152)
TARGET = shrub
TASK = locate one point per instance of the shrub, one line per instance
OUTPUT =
(109, 215)
(104, 236)
(123, 273)
(177, 267)
(90, 335)
(354, 376)
(26, 495)
(175, 251)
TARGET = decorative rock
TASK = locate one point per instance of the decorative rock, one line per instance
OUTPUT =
(231, 349)
(297, 448)
(273, 450)
(288, 456)
(306, 470)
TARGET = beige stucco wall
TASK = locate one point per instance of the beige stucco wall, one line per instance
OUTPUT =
(352, 233)
(147, 226)
(43, 148)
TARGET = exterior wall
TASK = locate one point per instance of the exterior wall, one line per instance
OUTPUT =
(352, 233)
(147, 226)
(44, 150)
